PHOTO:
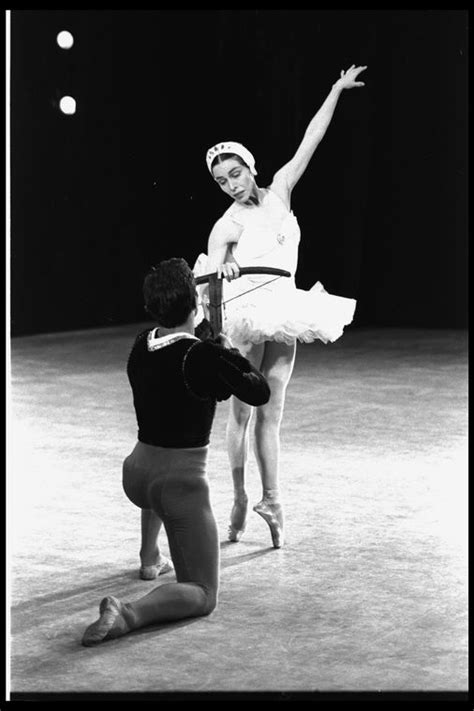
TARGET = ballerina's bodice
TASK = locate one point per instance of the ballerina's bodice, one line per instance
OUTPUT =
(270, 234)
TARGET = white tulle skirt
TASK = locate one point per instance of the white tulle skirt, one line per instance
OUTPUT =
(259, 308)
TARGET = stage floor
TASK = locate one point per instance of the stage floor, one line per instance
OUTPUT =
(369, 592)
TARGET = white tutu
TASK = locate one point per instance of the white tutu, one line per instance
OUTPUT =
(259, 308)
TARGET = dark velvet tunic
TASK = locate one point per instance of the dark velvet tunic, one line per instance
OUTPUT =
(175, 388)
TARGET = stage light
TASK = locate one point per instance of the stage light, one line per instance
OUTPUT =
(65, 39)
(67, 105)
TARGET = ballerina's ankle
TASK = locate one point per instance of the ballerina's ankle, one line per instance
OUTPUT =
(271, 496)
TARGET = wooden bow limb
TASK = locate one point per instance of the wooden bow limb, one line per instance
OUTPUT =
(215, 291)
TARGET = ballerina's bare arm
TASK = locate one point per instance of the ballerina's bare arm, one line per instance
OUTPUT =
(286, 178)
(224, 235)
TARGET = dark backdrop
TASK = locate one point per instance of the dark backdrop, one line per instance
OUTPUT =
(98, 197)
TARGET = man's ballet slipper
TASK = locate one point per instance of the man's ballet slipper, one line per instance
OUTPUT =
(102, 629)
(150, 572)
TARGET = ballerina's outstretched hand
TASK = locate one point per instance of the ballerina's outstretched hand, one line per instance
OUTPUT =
(348, 77)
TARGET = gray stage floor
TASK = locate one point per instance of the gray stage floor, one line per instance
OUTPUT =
(370, 591)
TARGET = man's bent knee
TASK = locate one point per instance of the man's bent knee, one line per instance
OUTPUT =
(209, 600)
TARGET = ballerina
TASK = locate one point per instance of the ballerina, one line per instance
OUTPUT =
(265, 318)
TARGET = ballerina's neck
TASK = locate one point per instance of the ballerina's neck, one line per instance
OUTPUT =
(256, 199)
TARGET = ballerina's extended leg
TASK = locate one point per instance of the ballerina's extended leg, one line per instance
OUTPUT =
(277, 366)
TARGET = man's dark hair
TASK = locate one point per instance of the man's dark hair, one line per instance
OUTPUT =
(169, 291)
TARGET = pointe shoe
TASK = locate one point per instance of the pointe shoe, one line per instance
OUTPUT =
(110, 610)
(238, 518)
(235, 534)
(150, 572)
(273, 514)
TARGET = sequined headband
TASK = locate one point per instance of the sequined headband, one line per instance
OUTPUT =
(231, 147)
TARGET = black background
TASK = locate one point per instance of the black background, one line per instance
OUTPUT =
(98, 197)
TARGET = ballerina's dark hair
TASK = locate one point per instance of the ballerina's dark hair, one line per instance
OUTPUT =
(221, 157)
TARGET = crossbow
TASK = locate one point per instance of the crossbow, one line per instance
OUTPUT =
(215, 291)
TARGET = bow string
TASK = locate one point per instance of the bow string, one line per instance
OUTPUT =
(215, 290)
